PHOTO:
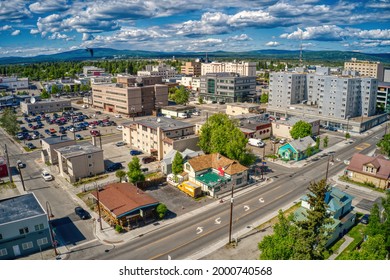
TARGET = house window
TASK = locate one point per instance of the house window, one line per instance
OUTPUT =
(89, 156)
(3, 252)
(42, 241)
(39, 227)
(27, 245)
(23, 230)
(239, 181)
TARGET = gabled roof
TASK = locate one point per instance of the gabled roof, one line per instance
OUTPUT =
(123, 198)
(301, 144)
(215, 161)
(381, 164)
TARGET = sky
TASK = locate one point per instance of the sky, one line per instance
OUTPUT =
(29, 28)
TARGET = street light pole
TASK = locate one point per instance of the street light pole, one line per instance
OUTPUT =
(50, 215)
(98, 204)
(231, 214)
(21, 178)
(330, 159)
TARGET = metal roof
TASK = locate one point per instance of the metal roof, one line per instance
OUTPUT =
(19, 207)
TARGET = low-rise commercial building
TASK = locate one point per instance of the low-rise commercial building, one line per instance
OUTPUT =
(79, 161)
(159, 136)
(46, 106)
(177, 111)
(126, 205)
(49, 146)
(234, 109)
(131, 96)
(13, 83)
(281, 127)
(24, 227)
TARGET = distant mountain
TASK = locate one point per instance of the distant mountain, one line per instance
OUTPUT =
(107, 53)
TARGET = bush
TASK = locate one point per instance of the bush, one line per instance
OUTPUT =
(118, 228)
(161, 210)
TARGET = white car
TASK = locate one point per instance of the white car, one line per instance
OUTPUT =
(118, 116)
(119, 127)
(46, 175)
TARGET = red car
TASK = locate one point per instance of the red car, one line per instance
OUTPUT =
(95, 132)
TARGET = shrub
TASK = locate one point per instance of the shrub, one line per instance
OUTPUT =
(118, 228)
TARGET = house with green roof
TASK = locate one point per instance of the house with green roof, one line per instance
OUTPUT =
(296, 150)
(340, 209)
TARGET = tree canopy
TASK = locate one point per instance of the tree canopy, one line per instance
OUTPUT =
(177, 163)
(221, 135)
(300, 129)
(180, 95)
(384, 145)
(135, 174)
(9, 121)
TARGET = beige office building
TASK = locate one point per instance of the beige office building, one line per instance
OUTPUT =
(242, 68)
(80, 161)
(158, 136)
(46, 106)
(372, 69)
(131, 96)
(192, 68)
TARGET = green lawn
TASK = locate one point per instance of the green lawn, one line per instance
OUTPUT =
(357, 233)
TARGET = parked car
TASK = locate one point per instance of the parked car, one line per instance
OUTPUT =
(365, 219)
(120, 143)
(118, 116)
(31, 146)
(119, 127)
(84, 215)
(144, 169)
(135, 152)
(79, 137)
(46, 175)
(146, 160)
(114, 167)
(94, 132)
(282, 141)
(20, 164)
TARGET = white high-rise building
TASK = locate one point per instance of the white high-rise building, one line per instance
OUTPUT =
(242, 68)
(160, 70)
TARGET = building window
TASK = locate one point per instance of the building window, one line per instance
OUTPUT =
(27, 245)
(39, 227)
(42, 241)
(239, 181)
(89, 156)
(1, 236)
(23, 230)
(3, 252)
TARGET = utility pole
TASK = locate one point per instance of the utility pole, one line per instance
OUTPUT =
(98, 204)
(8, 163)
(21, 178)
(231, 215)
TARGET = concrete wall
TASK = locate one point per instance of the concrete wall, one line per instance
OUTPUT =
(363, 178)
(49, 150)
(45, 106)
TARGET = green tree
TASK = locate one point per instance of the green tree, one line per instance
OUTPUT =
(384, 145)
(326, 141)
(372, 249)
(221, 135)
(309, 151)
(177, 164)
(120, 174)
(264, 98)
(312, 231)
(161, 210)
(135, 174)
(45, 94)
(181, 95)
(279, 245)
(300, 129)
(200, 100)
(54, 89)
(347, 136)
(9, 121)
(67, 88)
(318, 143)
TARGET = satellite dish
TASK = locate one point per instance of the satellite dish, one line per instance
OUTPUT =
(138, 80)
(32, 100)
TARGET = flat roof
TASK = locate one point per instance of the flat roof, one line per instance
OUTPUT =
(77, 150)
(178, 107)
(19, 207)
(293, 120)
(48, 101)
(164, 123)
(57, 139)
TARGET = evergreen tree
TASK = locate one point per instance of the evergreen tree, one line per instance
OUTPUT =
(326, 141)
(9, 122)
(312, 231)
(300, 129)
(318, 142)
(177, 164)
(384, 145)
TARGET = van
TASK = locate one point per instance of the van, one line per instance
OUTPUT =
(256, 142)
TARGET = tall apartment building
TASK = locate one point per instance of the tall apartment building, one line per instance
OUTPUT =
(131, 96)
(373, 69)
(161, 135)
(160, 70)
(340, 97)
(227, 87)
(383, 96)
(193, 68)
(242, 68)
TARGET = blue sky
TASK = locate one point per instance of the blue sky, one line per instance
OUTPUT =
(30, 28)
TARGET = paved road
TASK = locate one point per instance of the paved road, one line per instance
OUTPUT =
(205, 229)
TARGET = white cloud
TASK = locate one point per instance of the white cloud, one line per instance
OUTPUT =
(87, 37)
(272, 44)
(59, 36)
(34, 31)
(5, 27)
(13, 10)
(15, 33)
(48, 6)
(242, 37)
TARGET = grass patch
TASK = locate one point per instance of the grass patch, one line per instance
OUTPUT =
(333, 249)
(275, 219)
(368, 185)
(89, 180)
(357, 233)
(27, 149)
(154, 175)
(7, 185)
